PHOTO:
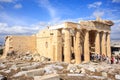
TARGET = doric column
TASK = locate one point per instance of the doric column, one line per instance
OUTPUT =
(97, 43)
(108, 45)
(86, 47)
(67, 46)
(77, 48)
(103, 43)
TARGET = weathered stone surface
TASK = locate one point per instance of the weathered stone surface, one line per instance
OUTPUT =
(32, 66)
(2, 66)
(63, 64)
(50, 77)
(91, 69)
(37, 70)
(14, 67)
(72, 68)
(75, 74)
(31, 73)
(78, 71)
(36, 57)
(3, 77)
(82, 70)
(98, 77)
(49, 69)
(37, 77)
(117, 77)
(104, 74)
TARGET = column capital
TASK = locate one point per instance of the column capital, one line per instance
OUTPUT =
(108, 32)
(98, 31)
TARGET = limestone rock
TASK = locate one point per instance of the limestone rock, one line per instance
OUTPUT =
(82, 70)
(78, 71)
(49, 69)
(72, 68)
(91, 69)
(14, 67)
(3, 77)
(117, 77)
(2, 65)
(104, 74)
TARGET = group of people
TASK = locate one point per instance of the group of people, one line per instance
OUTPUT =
(115, 59)
(103, 58)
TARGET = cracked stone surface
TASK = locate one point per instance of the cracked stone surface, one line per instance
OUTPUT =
(49, 70)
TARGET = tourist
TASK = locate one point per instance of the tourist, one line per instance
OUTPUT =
(107, 59)
(112, 60)
(117, 58)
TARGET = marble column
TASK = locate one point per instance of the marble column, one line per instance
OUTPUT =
(103, 43)
(108, 45)
(67, 46)
(77, 48)
(97, 43)
(86, 47)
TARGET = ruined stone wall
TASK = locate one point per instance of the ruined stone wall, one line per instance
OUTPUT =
(47, 44)
(20, 44)
(43, 43)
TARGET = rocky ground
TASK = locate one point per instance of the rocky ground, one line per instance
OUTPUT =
(19, 69)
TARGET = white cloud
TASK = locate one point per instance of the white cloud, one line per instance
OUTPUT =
(7, 1)
(95, 5)
(3, 25)
(8, 18)
(17, 6)
(116, 21)
(116, 1)
(115, 31)
(52, 11)
(46, 4)
(5, 29)
(98, 13)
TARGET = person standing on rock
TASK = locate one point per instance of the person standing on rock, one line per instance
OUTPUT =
(112, 60)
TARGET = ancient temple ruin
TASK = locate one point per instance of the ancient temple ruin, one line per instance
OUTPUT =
(66, 41)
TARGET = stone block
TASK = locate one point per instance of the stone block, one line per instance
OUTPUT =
(104, 74)
(14, 67)
(72, 68)
(82, 70)
(37, 77)
(24, 64)
(78, 71)
(49, 69)
(91, 69)
(30, 67)
(31, 73)
(2, 77)
(35, 72)
(56, 67)
(50, 77)
(117, 77)
(98, 77)
(75, 75)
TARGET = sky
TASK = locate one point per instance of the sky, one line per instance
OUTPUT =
(26, 17)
